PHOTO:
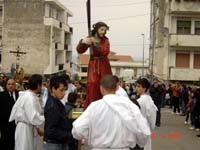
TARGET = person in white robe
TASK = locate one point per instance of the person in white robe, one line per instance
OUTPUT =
(120, 91)
(70, 88)
(27, 114)
(112, 122)
(147, 106)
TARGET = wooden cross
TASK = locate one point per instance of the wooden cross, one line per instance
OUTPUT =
(18, 52)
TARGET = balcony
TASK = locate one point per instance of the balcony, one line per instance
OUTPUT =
(185, 7)
(59, 46)
(68, 47)
(184, 40)
(51, 22)
(183, 74)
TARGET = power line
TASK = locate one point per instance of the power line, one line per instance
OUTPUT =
(112, 5)
(109, 19)
(126, 4)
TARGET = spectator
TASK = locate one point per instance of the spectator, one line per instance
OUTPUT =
(56, 133)
(7, 129)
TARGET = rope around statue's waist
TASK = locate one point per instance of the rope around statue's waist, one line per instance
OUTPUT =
(96, 58)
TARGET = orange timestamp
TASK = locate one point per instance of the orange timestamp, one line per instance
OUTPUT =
(169, 136)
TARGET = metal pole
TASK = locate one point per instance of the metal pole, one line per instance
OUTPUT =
(153, 41)
(88, 7)
(143, 56)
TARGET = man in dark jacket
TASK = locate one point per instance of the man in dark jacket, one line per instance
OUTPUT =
(7, 129)
(155, 93)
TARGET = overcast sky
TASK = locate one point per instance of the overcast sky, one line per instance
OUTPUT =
(127, 20)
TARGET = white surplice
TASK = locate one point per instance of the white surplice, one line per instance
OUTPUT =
(121, 92)
(113, 122)
(148, 109)
(27, 113)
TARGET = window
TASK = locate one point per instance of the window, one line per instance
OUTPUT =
(183, 27)
(197, 61)
(0, 57)
(84, 69)
(182, 60)
(197, 27)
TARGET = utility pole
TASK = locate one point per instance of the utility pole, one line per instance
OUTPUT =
(153, 41)
(143, 56)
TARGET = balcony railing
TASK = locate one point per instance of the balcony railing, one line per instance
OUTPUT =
(185, 6)
(59, 46)
(184, 40)
(185, 74)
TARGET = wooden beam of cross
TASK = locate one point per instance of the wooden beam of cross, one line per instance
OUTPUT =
(18, 52)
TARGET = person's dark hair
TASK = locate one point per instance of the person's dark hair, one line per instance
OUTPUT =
(155, 79)
(108, 82)
(197, 93)
(34, 81)
(66, 77)
(97, 25)
(144, 83)
(72, 97)
(116, 78)
(56, 81)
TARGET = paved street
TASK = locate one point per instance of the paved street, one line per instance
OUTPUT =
(172, 135)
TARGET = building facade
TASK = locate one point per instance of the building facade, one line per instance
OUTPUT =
(121, 65)
(40, 29)
(175, 40)
(1, 25)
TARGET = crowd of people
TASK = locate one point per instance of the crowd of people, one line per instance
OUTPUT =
(27, 115)
(24, 112)
(183, 100)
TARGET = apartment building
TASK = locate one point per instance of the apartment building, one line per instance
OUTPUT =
(1, 21)
(175, 40)
(40, 30)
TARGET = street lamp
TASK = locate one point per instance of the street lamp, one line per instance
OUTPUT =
(143, 56)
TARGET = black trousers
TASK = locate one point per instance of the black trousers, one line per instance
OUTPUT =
(158, 114)
(176, 104)
(7, 140)
(137, 148)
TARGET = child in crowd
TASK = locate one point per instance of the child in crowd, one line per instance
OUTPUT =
(69, 106)
(56, 133)
(147, 106)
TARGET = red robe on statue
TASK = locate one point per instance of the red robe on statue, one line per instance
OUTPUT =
(98, 66)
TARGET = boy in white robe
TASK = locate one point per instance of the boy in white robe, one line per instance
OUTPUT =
(112, 122)
(27, 114)
(147, 106)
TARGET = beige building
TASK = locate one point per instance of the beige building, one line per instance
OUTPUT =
(121, 65)
(1, 25)
(41, 30)
(175, 40)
